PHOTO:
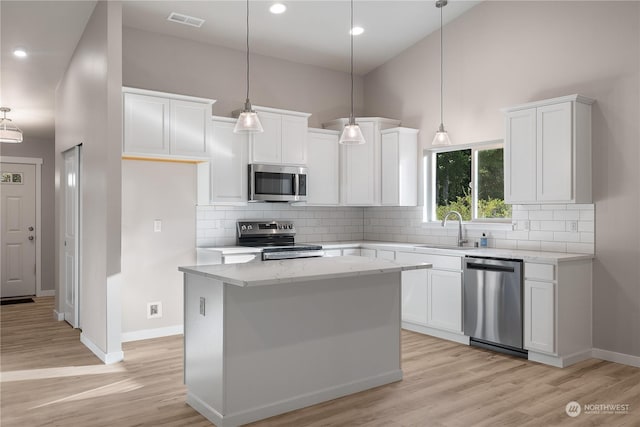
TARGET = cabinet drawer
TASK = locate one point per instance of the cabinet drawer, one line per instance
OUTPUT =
(332, 252)
(371, 253)
(386, 254)
(444, 262)
(539, 271)
(240, 258)
(351, 251)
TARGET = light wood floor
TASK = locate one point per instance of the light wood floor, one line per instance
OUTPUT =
(50, 379)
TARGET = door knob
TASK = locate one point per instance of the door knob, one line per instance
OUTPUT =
(30, 237)
(30, 229)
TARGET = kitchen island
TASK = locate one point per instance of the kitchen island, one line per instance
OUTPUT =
(269, 337)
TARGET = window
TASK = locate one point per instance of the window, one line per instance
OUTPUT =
(470, 181)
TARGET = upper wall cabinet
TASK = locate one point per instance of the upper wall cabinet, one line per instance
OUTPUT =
(547, 152)
(399, 167)
(323, 182)
(163, 124)
(228, 162)
(361, 165)
(284, 140)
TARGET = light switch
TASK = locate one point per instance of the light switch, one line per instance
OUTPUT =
(157, 226)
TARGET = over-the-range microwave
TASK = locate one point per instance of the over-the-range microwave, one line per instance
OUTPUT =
(276, 183)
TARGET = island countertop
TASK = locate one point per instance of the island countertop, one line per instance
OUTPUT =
(299, 270)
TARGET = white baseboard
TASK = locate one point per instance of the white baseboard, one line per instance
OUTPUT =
(297, 402)
(57, 315)
(107, 358)
(612, 356)
(46, 293)
(145, 334)
(451, 336)
(557, 361)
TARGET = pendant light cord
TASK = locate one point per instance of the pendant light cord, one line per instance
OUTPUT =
(247, 49)
(352, 119)
(441, 68)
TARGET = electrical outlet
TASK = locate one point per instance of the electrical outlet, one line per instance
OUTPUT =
(573, 226)
(157, 225)
(154, 310)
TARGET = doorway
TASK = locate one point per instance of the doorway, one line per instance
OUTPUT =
(70, 262)
(19, 238)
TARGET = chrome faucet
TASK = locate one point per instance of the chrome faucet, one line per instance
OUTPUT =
(444, 223)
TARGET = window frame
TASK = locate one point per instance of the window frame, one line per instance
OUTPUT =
(430, 156)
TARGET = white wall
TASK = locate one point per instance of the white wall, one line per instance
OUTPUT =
(89, 112)
(170, 64)
(150, 260)
(505, 53)
(43, 149)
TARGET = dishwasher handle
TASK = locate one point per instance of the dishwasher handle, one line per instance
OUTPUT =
(488, 267)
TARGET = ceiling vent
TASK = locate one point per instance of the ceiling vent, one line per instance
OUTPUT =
(186, 20)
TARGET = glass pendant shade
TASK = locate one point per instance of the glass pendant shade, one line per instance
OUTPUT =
(9, 132)
(352, 135)
(248, 121)
(442, 137)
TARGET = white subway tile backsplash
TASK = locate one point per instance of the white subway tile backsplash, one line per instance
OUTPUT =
(549, 226)
(542, 215)
(566, 215)
(541, 235)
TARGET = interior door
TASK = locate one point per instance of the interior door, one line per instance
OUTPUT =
(71, 214)
(18, 230)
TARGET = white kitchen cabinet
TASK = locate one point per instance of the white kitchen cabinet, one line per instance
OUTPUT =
(381, 253)
(399, 151)
(332, 252)
(557, 311)
(414, 290)
(284, 140)
(370, 253)
(323, 179)
(228, 162)
(444, 297)
(360, 165)
(351, 251)
(162, 124)
(539, 316)
(548, 151)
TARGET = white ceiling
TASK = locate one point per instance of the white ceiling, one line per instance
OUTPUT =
(310, 32)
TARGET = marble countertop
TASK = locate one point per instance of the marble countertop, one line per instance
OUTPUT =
(531, 256)
(299, 270)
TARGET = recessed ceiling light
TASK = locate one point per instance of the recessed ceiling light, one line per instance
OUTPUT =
(277, 8)
(356, 31)
(20, 52)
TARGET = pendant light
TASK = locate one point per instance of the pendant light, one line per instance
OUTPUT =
(352, 135)
(248, 121)
(442, 137)
(8, 131)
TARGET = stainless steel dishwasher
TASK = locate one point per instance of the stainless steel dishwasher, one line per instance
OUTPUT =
(493, 307)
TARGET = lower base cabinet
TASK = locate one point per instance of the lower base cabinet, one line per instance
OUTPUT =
(444, 300)
(539, 316)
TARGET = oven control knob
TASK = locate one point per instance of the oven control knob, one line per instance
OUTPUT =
(249, 227)
(243, 228)
(290, 226)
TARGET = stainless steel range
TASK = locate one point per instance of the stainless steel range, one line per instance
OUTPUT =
(276, 238)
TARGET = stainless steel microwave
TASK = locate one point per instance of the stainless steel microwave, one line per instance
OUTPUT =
(274, 183)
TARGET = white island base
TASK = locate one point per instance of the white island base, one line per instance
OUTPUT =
(257, 349)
